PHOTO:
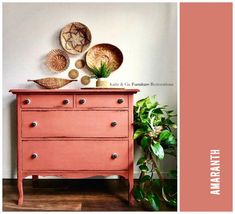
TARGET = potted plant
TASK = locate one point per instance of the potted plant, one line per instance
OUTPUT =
(101, 74)
(154, 133)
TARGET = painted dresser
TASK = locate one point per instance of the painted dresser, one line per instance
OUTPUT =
(74, 134)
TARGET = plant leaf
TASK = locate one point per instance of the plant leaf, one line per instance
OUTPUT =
(165, 135)
(169, 122)
(144, 168)
(171, 140)
(138, 194)
(151, 102)
(172, 174)
(140, 103)
(138, 133)
(173, 202)
(157, 150)
(141, 160)
(157, 182)
(144, 142)
(153, 201)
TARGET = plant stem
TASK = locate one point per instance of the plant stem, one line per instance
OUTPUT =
(157, 170)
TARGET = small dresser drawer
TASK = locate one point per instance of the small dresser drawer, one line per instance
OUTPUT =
(104, 101)
(74, 123)
(47, 101)
(75, 155)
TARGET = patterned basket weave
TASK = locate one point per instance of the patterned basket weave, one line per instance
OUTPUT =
(57, 60)
(52, 82)
(75, 38)
(105, 53)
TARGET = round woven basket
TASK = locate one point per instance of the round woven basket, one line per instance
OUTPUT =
(52, 82)
(104, 53)
(75, 38)
(57, 60)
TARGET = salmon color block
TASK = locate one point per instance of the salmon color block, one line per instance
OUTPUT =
(205, 107)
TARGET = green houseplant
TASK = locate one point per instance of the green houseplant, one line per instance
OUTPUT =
(101, 73)
(154, 133)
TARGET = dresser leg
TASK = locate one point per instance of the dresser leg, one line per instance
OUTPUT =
(130, 193)
(20, 191)
(34, 177)
(35, 180)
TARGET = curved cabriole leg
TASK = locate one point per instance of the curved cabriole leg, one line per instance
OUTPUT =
(130, 191)
(20, 191)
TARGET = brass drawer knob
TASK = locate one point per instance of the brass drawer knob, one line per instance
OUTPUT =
(27, 101)
(114, 123)
(114, 156)
(34, 124)
(82, 101)
(120, 101)
(34, 155)
(65, 102)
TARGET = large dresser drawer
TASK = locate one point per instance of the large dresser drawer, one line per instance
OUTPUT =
(105, 101)
(75, 155)
(47, 101)
(74, 124)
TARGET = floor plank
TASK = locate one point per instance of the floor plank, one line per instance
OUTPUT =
(69, 195)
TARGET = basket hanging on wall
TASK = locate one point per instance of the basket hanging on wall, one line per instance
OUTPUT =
(104, 53)
(75, 38)
(57, 60)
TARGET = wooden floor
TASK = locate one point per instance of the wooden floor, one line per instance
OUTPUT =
(69, 195)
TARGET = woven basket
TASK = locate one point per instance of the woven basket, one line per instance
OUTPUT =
(52, 82)
(75, 38)
(105, 53)
(57, 60)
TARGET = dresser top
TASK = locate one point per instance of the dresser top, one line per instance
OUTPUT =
(77, 91)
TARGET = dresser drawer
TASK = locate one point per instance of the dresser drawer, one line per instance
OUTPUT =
(47, 101)
(104, 101)
(74, 123)
(75, 155)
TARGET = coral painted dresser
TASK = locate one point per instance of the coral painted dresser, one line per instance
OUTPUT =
(74, 134)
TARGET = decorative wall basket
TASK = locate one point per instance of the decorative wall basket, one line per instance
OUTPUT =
(80, 63)
(105, 53)
(52, 83)
(57, 60)
(73, 74)
(75, 38)
(85, 80)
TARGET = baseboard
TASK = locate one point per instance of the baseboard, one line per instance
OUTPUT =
(136, 176)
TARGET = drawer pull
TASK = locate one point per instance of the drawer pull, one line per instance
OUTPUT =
(114, 156)
(27, 101)
(82, 101)
(34, 155)
(120, 101)
(114, 123)
(65, 102)
(34, 124)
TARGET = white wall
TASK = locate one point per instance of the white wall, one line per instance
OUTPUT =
(145, 33)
